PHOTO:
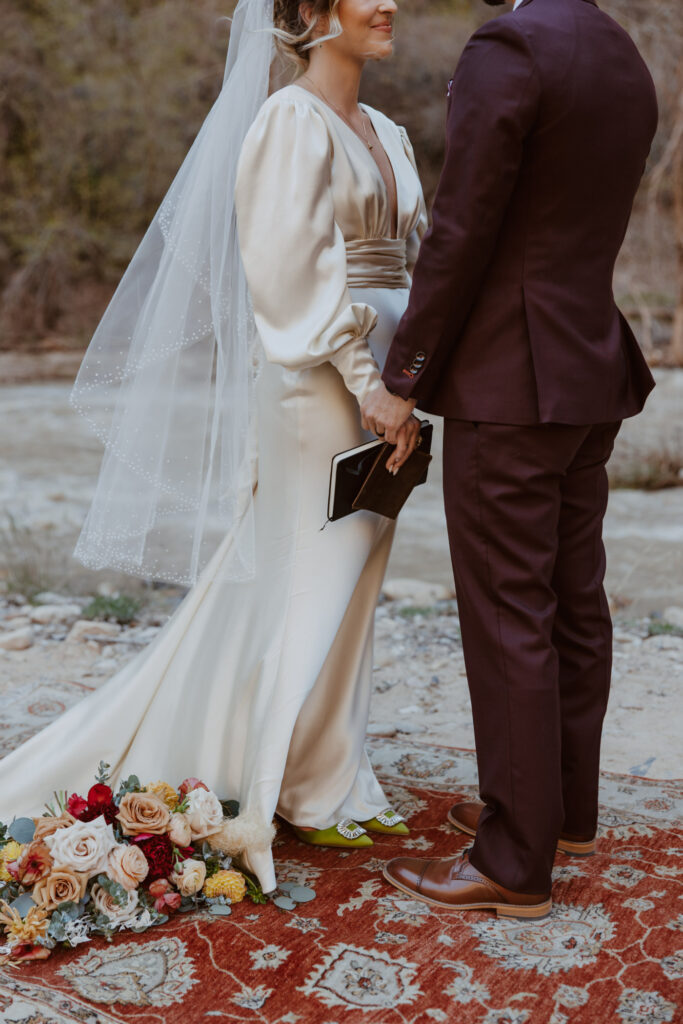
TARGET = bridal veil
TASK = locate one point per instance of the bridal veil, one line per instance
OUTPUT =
(167, 382)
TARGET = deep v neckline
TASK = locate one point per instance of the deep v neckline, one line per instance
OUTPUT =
(368, 155)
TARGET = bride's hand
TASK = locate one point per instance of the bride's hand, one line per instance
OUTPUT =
(384, 414)
(406, 444)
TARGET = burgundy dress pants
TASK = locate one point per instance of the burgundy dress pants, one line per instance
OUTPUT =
(524, 506)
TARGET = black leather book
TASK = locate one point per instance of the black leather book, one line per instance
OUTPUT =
(359, 478)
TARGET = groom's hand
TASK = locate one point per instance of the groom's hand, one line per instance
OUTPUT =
(384, 414)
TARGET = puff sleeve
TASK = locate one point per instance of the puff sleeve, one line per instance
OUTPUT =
(415, 237)
(293, 250)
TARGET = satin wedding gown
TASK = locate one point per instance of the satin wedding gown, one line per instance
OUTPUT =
(262, 688)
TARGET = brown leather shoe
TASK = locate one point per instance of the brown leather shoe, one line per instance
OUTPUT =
(465, 817)
(455, 884)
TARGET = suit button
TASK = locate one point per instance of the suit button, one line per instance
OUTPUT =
(420, 357)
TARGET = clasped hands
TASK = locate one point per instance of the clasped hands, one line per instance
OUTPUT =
(391, 417)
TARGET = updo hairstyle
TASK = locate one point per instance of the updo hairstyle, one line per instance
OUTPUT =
(293, 37)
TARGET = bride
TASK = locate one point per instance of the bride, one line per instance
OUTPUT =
(226, 373)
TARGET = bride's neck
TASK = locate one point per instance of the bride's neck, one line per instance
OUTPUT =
(337, 76)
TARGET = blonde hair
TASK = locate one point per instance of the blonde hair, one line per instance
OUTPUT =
(293, 37)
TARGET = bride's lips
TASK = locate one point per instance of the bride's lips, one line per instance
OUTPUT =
(384, 27)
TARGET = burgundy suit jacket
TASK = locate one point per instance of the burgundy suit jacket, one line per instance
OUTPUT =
(511, 316)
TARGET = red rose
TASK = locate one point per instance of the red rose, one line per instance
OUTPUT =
(76, 805)
(100, 796)
(188, 785)
(158, 851)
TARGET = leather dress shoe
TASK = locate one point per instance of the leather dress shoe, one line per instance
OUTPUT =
(455, 884)
(465, 817)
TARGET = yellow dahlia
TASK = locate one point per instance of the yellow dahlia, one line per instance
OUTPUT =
(166, 792)
(30, 929)
(226, 883)
(10, 851)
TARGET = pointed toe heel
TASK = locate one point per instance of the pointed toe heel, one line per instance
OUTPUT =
(346, 834)
(388, 823)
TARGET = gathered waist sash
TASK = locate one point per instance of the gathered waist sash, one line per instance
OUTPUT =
(377, 263)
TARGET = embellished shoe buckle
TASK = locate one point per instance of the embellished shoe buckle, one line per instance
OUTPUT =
(390, 818)
(349, 829)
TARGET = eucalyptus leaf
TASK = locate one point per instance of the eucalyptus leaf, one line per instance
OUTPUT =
(220, 909)
(286, 886)
(302, 894)
(284, 903)
(22, 904)
(22, 830)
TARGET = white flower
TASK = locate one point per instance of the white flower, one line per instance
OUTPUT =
(83, 846)
(204, 813)
(118, 915)
(190, 877)
(269, 956)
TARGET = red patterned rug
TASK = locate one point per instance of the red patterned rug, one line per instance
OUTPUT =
(362, 952)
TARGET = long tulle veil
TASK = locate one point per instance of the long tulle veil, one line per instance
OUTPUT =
(167, 382)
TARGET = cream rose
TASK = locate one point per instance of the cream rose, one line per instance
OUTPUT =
(190, 877)
(107, 905)
(48, 825)
(204, 813)
(61, 885)
(128, 866)
(180, 832)
(83, 846)
(143, 812)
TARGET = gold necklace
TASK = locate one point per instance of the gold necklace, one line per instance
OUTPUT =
(339, 113)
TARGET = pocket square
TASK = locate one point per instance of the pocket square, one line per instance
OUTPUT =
(449, 90)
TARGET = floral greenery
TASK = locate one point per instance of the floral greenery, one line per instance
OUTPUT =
(156, 885)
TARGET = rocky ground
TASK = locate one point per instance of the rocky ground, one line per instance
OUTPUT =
(420, 683)
(48, 465)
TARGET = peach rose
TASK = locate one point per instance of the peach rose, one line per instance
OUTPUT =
(128, 866)
(60, 885)
(46, 826)
(34, 863)
(190, 876)
(180, 832)
(141, 813)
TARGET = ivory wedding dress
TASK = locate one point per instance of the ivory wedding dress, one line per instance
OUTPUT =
(262, 688)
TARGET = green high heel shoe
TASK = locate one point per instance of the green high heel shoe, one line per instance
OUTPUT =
(388, 823)
(346, 834)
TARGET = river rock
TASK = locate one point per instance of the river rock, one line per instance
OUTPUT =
(15, 622)
(86, 629)
(674, 616)
(48, 614)
(418, 592)
(17, 640)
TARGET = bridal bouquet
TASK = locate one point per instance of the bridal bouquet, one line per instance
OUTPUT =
(106, 862)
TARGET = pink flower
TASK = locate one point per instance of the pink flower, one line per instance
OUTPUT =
(188, 785)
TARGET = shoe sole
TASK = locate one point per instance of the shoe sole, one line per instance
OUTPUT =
(568, 846)
(536, 912)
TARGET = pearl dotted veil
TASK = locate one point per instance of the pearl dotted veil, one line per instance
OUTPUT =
(167, 382)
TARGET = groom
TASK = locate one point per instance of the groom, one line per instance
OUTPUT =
(513, 336)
